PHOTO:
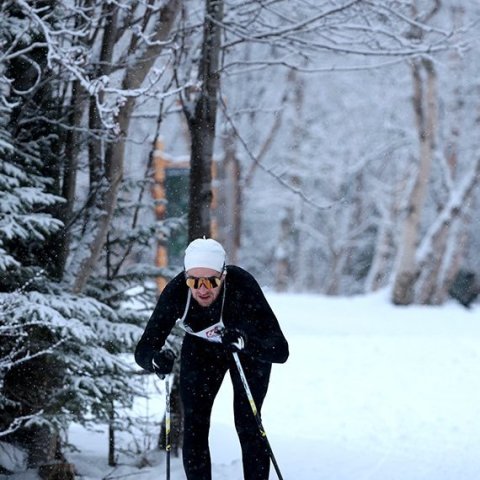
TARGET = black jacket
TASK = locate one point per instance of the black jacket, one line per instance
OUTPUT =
(245, 308)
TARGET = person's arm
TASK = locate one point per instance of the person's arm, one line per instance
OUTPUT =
(264, 337)
(168, 309)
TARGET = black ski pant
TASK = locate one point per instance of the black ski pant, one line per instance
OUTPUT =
(203, 367)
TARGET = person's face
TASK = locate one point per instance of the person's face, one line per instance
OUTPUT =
(202, 283)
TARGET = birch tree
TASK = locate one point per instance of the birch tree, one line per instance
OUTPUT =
(425, 106)
(429, 256)
(387, 35)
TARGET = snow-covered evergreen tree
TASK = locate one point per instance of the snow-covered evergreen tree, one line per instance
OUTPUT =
(64, 356)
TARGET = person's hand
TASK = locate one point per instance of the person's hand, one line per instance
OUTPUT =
(162, 362)
(234, 339)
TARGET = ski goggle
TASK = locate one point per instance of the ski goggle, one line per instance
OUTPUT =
(209, 282)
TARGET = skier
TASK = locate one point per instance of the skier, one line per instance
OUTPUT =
(223, 310)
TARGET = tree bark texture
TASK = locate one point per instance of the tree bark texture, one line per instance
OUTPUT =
(33, 386)
(201, 121)
(440, 246)
(228, 208)
(425, 108)
(69, 176)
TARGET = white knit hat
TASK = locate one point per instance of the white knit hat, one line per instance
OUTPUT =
(205, 253)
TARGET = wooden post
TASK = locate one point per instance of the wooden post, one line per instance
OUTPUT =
(159, 197)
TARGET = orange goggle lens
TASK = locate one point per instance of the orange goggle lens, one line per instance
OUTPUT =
(209, 282)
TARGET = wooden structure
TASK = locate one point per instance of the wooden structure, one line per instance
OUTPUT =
(171, 194)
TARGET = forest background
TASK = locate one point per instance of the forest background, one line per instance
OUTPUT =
(343, 141)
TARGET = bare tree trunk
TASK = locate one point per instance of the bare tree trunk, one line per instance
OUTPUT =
(438, 239)
(111, 436)
(425, 107)
(337, 262)
(229, 206)
(201, 123)
(297, 85)
(72, 148)
(457, 244)
(428, 276)
(377, 275)
(30, 387)
(283, 251)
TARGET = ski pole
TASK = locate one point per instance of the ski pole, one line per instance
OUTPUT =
(168, 445)
(255, 413)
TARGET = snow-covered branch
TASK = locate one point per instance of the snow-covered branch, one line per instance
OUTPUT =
(453, 207)
(278, 177)
(355, 28)
(19, 422)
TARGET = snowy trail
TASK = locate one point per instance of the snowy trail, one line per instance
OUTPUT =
(370, 392)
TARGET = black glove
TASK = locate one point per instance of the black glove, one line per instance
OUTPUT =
(234, 339)
(162, 362)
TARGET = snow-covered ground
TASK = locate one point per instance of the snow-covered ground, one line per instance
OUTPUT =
(370, 391)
